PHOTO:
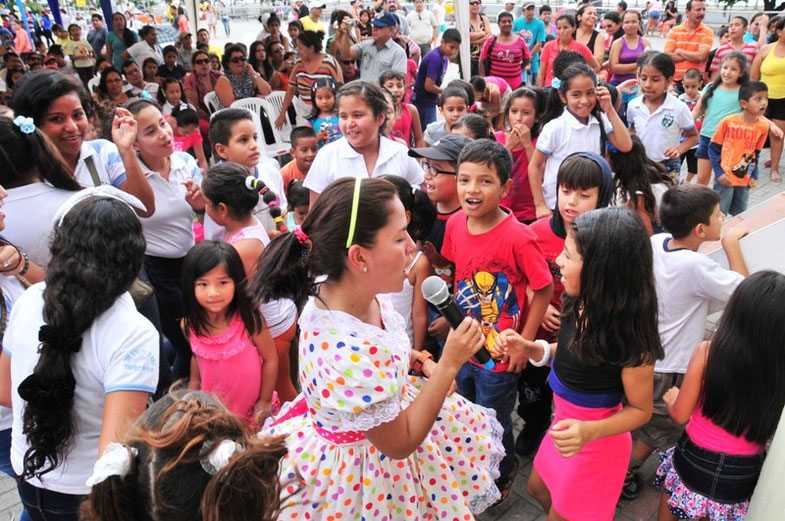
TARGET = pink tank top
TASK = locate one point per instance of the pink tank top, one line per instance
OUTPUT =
(230, 367)
(402, 129)
(704, 433)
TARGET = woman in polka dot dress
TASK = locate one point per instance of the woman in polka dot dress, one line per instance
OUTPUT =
(366, 441)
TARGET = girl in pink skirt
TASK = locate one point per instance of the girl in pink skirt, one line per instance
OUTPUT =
(606, 351)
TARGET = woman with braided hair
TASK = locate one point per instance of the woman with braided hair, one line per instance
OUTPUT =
(79, 362)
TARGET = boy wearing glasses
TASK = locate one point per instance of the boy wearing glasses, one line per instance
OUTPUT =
(440, 163)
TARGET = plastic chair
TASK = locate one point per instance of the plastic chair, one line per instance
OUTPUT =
(275, 99)
(261, 108)
(211, 102)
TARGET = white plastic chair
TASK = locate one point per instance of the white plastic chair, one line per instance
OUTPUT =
(211, 102)
(275, 98)
(270, 136)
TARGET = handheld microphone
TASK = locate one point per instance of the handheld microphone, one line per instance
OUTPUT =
(436, 292)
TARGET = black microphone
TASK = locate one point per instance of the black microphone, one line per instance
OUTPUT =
(435, 291)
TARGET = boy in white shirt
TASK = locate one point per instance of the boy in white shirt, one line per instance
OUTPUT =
(687, 283)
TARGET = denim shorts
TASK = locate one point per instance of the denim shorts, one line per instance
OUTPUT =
(722, 477)
(703, 147)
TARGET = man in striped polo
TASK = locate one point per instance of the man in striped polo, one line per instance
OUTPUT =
(689, 44)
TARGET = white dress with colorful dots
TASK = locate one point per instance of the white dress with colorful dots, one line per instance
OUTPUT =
(354, 378)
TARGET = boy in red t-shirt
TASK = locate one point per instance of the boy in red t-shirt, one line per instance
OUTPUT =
(305, 145)
(584, 183)
(496, 260)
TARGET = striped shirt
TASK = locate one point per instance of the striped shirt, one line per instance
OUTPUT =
(505, 59)
(748, 49)
(305, 80)
(682, 39)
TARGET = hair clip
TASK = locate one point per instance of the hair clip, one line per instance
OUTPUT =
(220, 456)
(115, 461)
(555, 83)
(25, 124)
(300, 235)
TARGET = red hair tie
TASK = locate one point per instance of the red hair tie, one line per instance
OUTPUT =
(300, 235)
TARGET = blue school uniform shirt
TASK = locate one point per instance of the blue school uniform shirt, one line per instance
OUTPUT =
(331, 124)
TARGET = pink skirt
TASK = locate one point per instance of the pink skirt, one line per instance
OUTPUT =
(587, 485)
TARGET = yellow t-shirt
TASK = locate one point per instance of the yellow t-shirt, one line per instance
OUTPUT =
(310, 25)
(79, 51)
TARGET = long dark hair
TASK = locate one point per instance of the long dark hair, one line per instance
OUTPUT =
(741, 59)
(38, 90)
(128, 35)
(743, 390)
(25, 157)
(538, 100)
(556, 107)
(287, 268)
(101, 90)
(616, 310)
(167, 479)
(264, 67)
(225, 183)
(202, 258)
(97, 252)
(635, 174)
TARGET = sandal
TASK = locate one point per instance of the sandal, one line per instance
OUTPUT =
(504, 484)
(775, 176)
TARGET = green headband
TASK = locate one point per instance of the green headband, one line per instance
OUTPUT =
(355, 209)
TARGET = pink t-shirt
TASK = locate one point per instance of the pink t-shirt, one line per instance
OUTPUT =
(551, 49)
(704, 433)
(184, 143)
(506, 59)
(230, 367)
(499, 82)
(519, 197)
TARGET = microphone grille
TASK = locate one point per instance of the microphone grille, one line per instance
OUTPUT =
(434, 290)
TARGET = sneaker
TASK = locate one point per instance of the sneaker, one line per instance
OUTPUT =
(504, 483)
(529, 440)
(633, 485)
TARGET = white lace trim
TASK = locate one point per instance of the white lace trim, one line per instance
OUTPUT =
(372, 416)
(478, 503)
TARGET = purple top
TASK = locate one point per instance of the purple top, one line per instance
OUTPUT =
(626, 56)
(433, 65)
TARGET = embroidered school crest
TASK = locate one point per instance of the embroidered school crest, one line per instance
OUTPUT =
(667, 121)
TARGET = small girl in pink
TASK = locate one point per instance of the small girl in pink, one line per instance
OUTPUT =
(234, 355)
(733, 396)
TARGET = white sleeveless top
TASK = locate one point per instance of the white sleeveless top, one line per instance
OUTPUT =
(403, 300)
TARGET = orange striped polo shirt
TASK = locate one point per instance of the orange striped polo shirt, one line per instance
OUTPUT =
(691, 41)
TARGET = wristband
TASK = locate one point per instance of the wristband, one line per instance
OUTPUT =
(420, 361)
(546, 354)
(27, 264)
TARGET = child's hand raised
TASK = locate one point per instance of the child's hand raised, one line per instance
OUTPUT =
(670, 396)
(628, 87)
(193, 195)
(569, 436)
(604, 99)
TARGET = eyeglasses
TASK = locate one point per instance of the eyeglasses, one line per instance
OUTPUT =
(202, 62)
(347, 62)
(474, 3)
(238, 59)
(435, 171)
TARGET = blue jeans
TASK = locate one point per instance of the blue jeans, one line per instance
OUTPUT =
(733, 199)
(427, 112)
(225, 21)
(496, 391)
(46, 505)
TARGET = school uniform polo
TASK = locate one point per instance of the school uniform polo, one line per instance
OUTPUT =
(338, 159)
(660, 129)
(108, 164)
(169, 232)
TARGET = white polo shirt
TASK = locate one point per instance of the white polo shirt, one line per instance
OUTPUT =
(338, 159)
(119, 352)
(271, 176)
(169, 231)
(661, 129)
(560, 138)
(141, 50)
(29, 212)
(107, 161)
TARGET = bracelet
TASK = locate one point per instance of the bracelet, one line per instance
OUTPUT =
(546, 355)
(27, 264)
(420, 361)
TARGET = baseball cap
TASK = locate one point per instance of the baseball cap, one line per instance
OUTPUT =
(386, 20)
(447, 148)
(528, 5)
(316, 4)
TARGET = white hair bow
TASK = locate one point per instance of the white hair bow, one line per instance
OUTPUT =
(116, 461)
(220, 456)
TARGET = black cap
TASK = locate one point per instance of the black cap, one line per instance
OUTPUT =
(447, 148)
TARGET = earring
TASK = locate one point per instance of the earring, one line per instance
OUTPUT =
(365, 269)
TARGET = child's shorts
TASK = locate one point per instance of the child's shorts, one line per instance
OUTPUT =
(692, 160)
(660, 432)
(703, 147)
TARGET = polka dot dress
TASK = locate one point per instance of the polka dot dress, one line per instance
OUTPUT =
(354, 378)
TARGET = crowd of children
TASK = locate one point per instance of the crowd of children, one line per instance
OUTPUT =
(316, 380)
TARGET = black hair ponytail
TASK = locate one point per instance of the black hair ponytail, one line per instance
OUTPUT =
(269, 197)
